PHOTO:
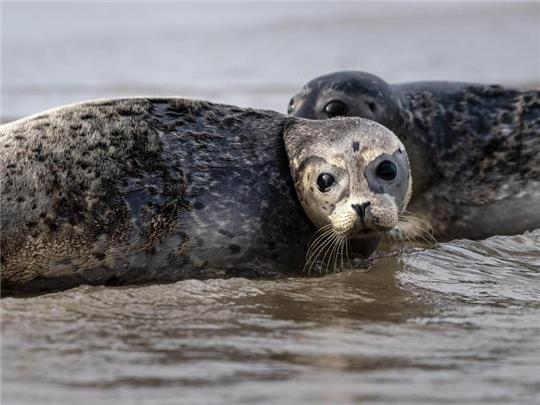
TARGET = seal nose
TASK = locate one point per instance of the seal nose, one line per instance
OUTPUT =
(361, 209)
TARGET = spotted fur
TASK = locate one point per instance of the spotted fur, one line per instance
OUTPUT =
(148, 190)
(474, 149)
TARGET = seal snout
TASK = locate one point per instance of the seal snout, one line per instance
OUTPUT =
(361, 210)
(364, 221)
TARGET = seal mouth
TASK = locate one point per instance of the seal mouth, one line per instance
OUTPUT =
(366, 224)
(364, 233)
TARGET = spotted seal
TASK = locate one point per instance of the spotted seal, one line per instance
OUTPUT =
(474, 149)
(153, 190)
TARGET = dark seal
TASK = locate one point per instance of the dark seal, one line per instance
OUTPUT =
(474, 149)
(155, 190)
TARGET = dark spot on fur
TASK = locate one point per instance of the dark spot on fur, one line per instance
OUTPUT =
(53, 226)
(271, 245)
(198, 205)
(230, 121)
(112, 281)
(83, 165)
(99, 255)
(11, 166)
(355, 146)
(226, 233)
(235, 249)
(127, 112)
(87, 116)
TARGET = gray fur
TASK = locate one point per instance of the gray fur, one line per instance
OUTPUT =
(146, 190)
(474, 149)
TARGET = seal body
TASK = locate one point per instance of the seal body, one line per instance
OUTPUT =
(153, 190)
(474, 149)
(146, 190)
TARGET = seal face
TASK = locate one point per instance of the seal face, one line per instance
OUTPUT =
(353, 175)
(352, 179)
(474, 149)
(146, 190)
(354, 94)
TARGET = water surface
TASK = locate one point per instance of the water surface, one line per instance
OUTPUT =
(451, 324)
(459, 323)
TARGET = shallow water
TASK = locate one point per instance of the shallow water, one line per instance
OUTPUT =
(452, 324)
(455, 323)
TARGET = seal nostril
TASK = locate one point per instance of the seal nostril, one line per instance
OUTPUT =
(361, 208)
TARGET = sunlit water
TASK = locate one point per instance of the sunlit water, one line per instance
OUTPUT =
(457, 323)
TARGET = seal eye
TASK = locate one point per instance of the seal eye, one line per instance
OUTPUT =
(325, 182)
(336, 108)
(386, 170)
(290, 107)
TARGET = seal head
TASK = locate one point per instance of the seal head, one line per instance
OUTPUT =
(351, 176)
(357, 94)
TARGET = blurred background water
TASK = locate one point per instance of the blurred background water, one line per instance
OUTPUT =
(252, 54)
(456, 323)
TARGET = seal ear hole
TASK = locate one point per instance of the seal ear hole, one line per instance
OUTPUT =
(372, 106)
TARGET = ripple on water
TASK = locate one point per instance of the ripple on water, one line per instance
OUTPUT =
(502, 270)
(457, 323)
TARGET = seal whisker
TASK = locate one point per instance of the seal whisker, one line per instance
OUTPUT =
(347, 248)
(334, 253)
(318, 251)
(411, 227)
(317, 243)
(318, 238)
(342, 247)
(327, 251)
(341, 243)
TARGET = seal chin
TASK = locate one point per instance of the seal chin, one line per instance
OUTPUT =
(366, 228)
(364, 233)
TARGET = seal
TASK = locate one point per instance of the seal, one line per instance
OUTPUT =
(474, 148)
(155, 190)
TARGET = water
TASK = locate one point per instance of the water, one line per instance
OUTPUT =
(255, 55)
(456, 323)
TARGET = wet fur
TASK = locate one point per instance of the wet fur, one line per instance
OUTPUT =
(146, 190)
(474, 149)
(149, 190)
